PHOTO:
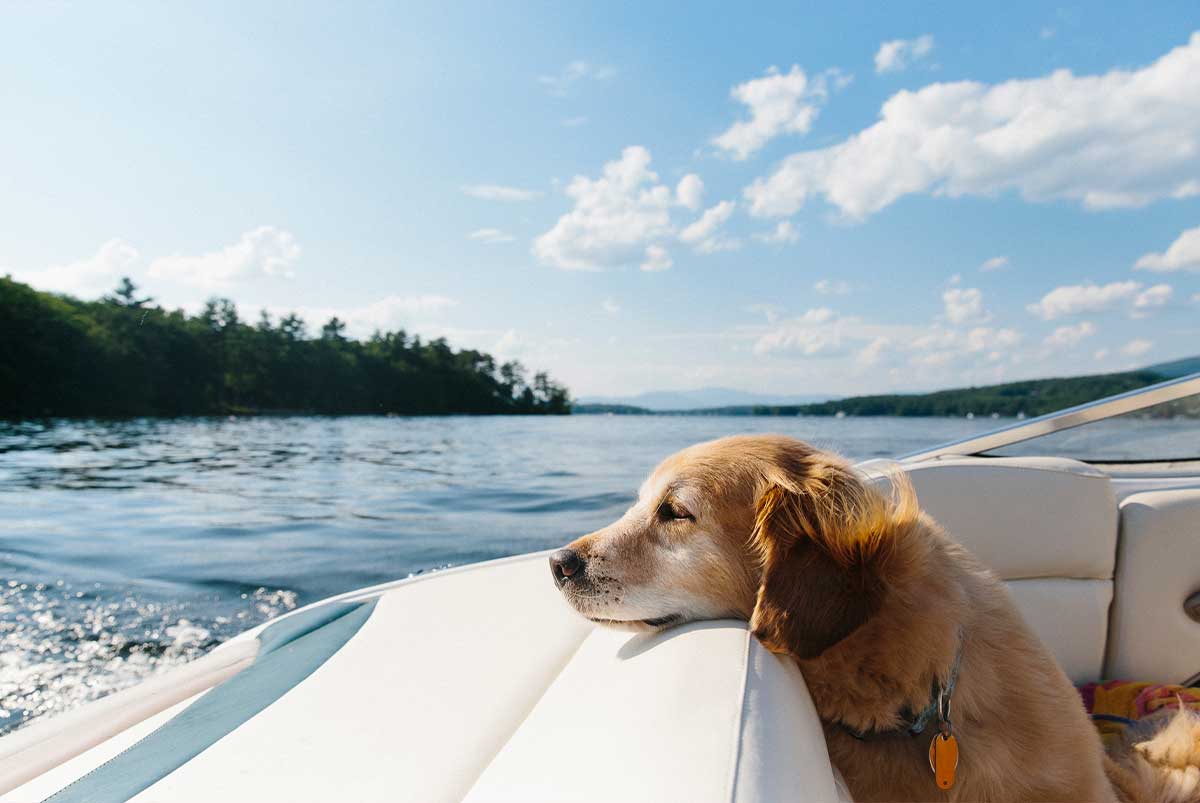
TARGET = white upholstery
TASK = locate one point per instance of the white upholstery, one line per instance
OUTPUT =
(1158, 567)
(482, 680)
(699, 713)
(1024, 516)
(1070, 616)
(412, 708)
(1046, 525)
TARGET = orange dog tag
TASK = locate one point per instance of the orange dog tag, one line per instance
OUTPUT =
(943, 759)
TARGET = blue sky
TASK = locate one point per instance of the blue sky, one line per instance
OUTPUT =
(794, 199)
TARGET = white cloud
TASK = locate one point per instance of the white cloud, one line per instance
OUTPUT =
(499, 192)
(394, 308)
(937, 346)
(873, 351)
(610, 306)
(963, 304)
(656, 258)
(1075, 298)
(983, 338)
(490, 236)
(573, 122)
(1152, 298)
(1136, 347)
(705, 233)
(689, 192)
(1100, 355)
(779, 103)
(387, 314)
(995, 263)
(812, 334)
(784, 232)
(87, 277)
(1121, 139)
(1183, 254)
(897, 54)
(1065, 337)
(265, 250)
(615, 216)
(565, 80)
(831, 287)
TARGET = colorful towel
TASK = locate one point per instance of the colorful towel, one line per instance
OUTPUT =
(1116, 705)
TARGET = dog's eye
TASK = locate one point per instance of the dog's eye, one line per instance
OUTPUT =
(671, 511)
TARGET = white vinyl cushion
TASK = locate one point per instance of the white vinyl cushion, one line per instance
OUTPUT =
(413, 707)
(1024, 516)
(1158, 567)
(1070, 617)
(1046, 525)
(698, 713)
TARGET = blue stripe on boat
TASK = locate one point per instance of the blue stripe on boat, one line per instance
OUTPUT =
(290, 651)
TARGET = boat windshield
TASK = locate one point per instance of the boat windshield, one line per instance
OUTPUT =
(1166, 432)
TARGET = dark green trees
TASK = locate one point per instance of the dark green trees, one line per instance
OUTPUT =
(123, 355)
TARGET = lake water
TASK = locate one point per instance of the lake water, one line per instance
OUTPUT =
(128, 547)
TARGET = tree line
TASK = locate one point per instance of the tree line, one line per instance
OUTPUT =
(1029, 397)
(123, 355)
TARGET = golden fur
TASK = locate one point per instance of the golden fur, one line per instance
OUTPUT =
(871, 598)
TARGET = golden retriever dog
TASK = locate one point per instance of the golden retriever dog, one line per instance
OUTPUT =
(895, 627)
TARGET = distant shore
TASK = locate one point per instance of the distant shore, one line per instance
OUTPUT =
(1013, 399)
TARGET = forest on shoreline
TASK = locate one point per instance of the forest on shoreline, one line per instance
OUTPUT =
(123, 355)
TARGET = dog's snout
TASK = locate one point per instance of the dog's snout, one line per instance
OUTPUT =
(565, 564)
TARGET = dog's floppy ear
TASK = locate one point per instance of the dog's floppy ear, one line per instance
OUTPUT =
(823, 536)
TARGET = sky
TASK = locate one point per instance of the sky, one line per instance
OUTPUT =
(795, 198)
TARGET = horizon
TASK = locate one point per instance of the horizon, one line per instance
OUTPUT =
(858, 204)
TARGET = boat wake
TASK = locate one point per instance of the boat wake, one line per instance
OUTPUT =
(62, 646)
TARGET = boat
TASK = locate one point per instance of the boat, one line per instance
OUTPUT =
(478, 683)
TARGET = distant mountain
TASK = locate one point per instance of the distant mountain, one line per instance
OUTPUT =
(1175, 368)
(700, 399)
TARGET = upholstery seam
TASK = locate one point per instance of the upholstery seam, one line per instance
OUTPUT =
(740, 720)
(1110, 623)
(558, 673)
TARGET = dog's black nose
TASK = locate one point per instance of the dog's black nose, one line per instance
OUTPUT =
(564, 564)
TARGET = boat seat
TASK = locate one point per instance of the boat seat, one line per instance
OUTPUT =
(1048, 527)
(1158, 569)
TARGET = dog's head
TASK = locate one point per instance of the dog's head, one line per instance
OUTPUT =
(764, 528)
